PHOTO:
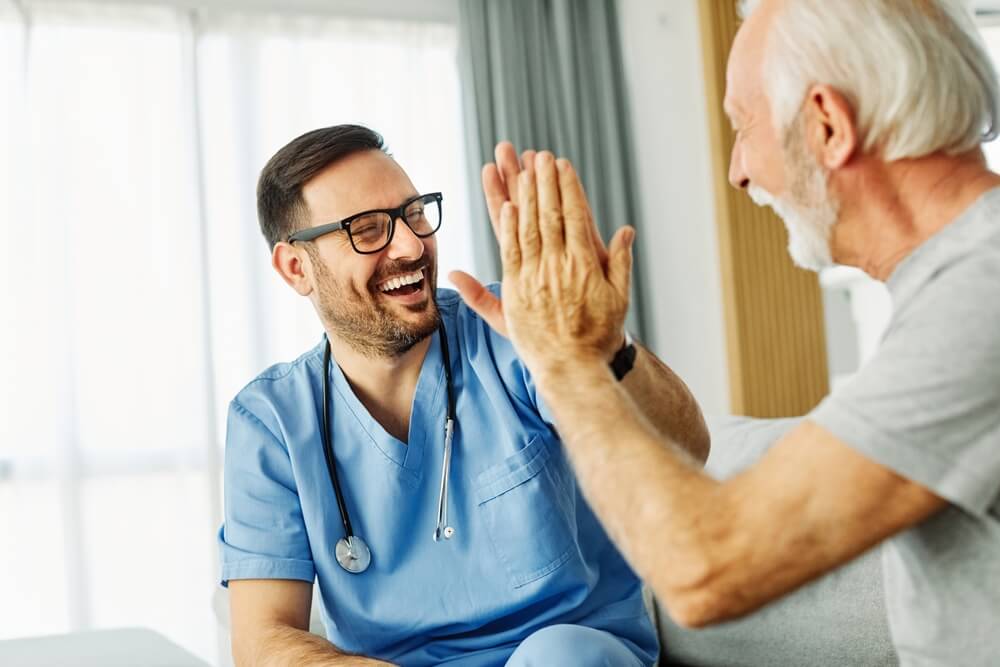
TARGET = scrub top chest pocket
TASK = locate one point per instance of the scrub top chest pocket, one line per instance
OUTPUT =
(529, 509)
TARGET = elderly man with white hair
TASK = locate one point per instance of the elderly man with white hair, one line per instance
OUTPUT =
(860, 122)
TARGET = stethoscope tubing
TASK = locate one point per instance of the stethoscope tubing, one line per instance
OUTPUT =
(328, 446)
(352, 552)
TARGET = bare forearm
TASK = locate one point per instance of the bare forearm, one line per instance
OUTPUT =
(285, 646)
(649, 493)
(713, 551)
(667, 404)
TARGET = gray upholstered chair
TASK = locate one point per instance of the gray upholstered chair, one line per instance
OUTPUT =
(837, 620)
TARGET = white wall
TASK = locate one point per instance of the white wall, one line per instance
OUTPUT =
(677, 239)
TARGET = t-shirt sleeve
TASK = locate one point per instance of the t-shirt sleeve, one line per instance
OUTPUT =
(927, 405)
(739, 442)
(264, 535)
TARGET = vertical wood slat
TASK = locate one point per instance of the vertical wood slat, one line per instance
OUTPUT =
(775, 336)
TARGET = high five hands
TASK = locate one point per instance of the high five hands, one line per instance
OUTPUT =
(564, 295)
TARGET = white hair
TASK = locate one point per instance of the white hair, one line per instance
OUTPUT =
(916, 72)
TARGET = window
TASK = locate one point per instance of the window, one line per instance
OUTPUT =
(137, 292)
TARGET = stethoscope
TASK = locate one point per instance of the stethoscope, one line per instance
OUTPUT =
(351, 551)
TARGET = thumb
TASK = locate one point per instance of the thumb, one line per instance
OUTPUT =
(620, 260)
(480, 300)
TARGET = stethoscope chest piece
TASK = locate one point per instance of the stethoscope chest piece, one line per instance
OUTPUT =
(353, 554)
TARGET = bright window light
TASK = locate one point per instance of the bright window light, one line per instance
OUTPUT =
(136, 290)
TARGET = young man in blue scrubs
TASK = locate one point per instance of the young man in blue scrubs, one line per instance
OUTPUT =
(481, 551)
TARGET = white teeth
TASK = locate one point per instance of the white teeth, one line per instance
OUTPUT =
(408, 279)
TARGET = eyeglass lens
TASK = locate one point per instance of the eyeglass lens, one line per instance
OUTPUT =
(370, 233)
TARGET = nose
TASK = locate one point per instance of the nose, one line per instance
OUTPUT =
(405, 244)
(737, 174)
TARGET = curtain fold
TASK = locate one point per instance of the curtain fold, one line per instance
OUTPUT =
(549, 74)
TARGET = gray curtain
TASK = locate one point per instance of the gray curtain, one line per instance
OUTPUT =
(548, 74)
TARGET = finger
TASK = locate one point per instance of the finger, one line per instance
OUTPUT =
(550, 214)
(496, 194)
(620, 260)
(582, 238)
(510, 244)
(595, 237)
(599, 248)
(527, 158)
(529, 237)
(509, 167)
(480, 300)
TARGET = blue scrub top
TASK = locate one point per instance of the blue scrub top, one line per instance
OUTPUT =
(527, 550)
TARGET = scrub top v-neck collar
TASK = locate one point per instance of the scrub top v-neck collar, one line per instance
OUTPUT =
(427, 412)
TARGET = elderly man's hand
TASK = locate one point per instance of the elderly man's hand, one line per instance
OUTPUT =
(563, 302)
(500, 184)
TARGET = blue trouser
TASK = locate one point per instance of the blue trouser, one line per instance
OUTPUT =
(575, 646)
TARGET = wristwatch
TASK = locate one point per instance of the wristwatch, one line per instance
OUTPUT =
(624, 359)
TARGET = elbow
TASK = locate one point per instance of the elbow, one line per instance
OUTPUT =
(707, 603)
(702, 447)
(251, 649)
(699, 593)
(702, 440)
(241, 656)
(245, 652)
(695, 602)
(695, 438)
(694, 609)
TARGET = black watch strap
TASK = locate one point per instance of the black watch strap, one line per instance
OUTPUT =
(624, 359)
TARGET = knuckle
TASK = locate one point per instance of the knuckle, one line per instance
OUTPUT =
(551, 213)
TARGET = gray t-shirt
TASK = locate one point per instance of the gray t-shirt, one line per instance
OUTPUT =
(927, 406)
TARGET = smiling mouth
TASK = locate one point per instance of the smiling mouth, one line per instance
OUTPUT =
(403, 285)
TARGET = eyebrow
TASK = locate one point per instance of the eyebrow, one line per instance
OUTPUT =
(405, 199)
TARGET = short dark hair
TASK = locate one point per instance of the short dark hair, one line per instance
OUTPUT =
(279, 188)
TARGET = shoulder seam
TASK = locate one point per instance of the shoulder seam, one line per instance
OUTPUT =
(287, 368)
(239, 407)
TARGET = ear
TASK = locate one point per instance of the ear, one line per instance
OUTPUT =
(290, 263)
(831, 131)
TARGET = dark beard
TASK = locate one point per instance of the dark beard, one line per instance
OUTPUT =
(363, 323)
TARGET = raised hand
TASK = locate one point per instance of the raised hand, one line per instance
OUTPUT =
(563, 302)
(500, 184)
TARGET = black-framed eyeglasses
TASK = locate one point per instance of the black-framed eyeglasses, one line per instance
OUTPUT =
(371, 231)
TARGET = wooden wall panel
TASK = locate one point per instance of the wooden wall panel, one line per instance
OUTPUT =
(775, 334)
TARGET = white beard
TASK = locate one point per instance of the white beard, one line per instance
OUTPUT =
(809, 228)
(808, 210)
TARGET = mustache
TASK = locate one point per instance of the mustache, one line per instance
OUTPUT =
(396, 268)
(760, 196)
